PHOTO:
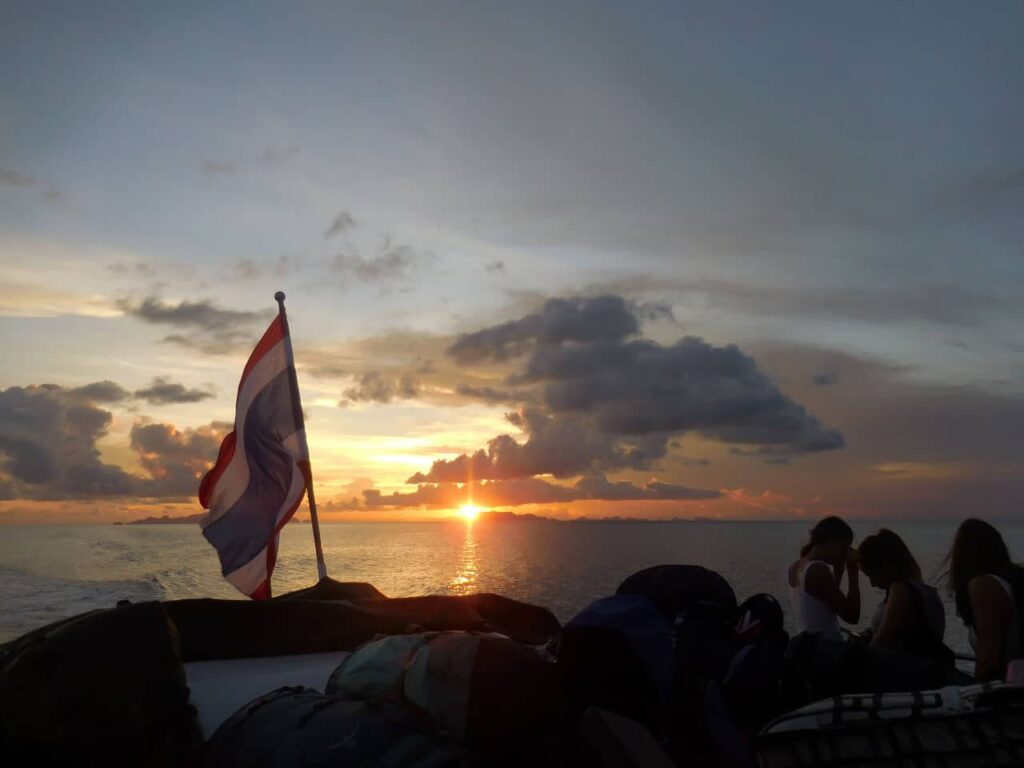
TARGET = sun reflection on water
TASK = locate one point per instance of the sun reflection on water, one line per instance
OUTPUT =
(464, 581)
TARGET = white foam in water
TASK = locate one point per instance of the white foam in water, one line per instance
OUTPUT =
(30, 600)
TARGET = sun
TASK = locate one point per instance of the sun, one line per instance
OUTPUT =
(469, 512)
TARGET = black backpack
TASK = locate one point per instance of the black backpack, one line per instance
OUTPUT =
(104, 688)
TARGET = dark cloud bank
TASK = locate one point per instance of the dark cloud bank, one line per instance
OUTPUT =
(48, 437)
(597, 398)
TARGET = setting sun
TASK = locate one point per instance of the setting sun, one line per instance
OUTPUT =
(469, 512)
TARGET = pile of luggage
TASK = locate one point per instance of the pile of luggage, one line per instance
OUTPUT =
(670, 670)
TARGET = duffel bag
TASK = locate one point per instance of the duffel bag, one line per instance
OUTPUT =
(487, 693)
(302, 728)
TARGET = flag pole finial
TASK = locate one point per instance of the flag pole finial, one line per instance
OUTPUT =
(279, 298)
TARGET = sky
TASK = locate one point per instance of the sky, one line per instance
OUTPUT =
(655, 260)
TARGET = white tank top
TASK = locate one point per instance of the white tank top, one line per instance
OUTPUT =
(811, 614)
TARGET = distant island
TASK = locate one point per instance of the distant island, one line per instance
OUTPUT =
(178, 519)
(166, 520)
(501, 516)
(489, 516)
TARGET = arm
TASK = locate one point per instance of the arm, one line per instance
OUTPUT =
(821, 584)
(897, 617)
(991, 607)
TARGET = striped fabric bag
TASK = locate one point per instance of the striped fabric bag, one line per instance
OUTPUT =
(484, 692)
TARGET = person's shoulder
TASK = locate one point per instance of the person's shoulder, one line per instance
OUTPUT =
(793, 572)
(901, 593)
(927, 591)
(818, 571)
(901, 589)
(986, 587)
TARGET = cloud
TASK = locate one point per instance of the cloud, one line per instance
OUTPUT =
(175, 459)
(766, 501)
(383, 387)
(140, 268)
(199, 314)
(9, 178)
(825, 378)
(163, 391)
(399, 350)
(256, 269)
(15, 179)
(525, 490)
(608, 318)
(947, 304)
(995, 185)
(48, 444)
(280, 154)
(890, 413)
(341, 223)
(217, 168)
(599, 487)
(607, 400)
(100, 392)
(271, 156)
(392, 262)
(563, 447)
(48, 447)
(214, 330)
(492, 395)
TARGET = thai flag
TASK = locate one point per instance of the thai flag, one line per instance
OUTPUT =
(262, 469)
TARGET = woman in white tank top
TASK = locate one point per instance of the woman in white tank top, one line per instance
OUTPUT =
(985, 584)
(818, 603)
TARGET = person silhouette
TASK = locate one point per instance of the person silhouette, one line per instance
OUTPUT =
(817, 601)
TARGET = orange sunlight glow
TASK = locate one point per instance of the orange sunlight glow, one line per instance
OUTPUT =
(469, 512)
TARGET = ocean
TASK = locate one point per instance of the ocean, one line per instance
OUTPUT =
(49, 572)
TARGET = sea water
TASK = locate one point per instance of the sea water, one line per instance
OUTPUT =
(49, 572)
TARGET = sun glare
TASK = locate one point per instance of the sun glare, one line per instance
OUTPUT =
(469, 512)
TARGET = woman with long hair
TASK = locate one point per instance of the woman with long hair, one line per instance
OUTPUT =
(818, 602)
(911, 618)
(988, 588)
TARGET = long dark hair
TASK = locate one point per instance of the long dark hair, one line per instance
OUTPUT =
(886, 553)
(828, 529)
(978, 549)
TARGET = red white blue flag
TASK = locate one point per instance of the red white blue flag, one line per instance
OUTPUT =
(262, 469)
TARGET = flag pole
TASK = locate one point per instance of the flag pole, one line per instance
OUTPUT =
(321, 566)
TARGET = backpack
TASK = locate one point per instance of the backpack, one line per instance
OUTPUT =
(302, 728)
(745, 692)
(751, 683)
(676, 589)
(103, 688)
(701, 606)
(977, 725)
(488, 694)
(617, 653)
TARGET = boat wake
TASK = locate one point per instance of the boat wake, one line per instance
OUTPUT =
(30, 600)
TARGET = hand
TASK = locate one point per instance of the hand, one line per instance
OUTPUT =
(852, 559)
